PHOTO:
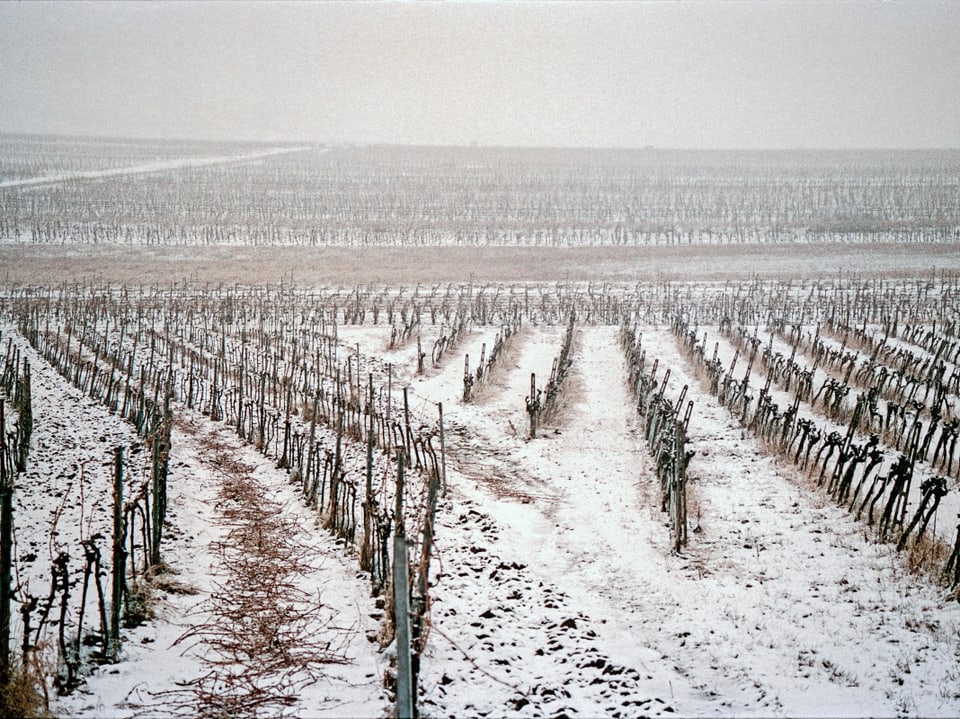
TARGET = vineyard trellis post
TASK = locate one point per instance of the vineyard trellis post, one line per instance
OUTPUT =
(6, 553)
(389, 405)
(366, 552)
(443, 450)
(533, 405)
(161, 456)
(407, 434)
(421, 602)
(678, 493)
(118, 569)
(401, 604)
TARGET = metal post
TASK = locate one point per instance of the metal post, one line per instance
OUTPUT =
(119, 555)
(408, 435)
(155, 495)
(389, 405)
(6, 553)
(443, 451)
(401, 605)
(366, 551)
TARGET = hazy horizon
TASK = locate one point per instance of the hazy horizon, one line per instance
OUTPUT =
(439, 146)
(620, 75)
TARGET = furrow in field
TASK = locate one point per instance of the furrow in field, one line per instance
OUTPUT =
(803, 560)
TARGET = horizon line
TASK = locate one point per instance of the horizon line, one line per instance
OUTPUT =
(470, 145)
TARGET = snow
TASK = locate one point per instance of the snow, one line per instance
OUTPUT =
(157, 663)
(554, 588)
(154, 665)
(156, 166)
(779, 594)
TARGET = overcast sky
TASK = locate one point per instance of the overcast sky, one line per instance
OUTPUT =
(624, 74)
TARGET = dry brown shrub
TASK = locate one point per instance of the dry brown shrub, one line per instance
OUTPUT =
(507, 358)
(24, 694)
(926, 558)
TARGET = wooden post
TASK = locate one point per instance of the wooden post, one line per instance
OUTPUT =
(190, 390)
(243, 359)
(532, 405)
(161, 443)
(337, 458)
(676, 504)
(284, 461)
(25, 422)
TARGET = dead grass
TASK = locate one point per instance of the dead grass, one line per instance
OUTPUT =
(166, 582)
(46, 264)
(261, 644)
(694, 512)
(569, 397)
(507, 358)
(927, 558)
(24, 694)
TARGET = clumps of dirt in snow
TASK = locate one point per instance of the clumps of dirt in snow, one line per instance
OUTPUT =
(528, 651)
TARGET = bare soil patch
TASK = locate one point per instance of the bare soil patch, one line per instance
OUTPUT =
(45, 264)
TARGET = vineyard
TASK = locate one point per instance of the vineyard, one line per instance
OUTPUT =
(477, 497)
(253, 195)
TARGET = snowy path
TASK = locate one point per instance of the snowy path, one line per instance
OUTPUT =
(576, 578)
(159, 166)
(534, 605)
(159, 667)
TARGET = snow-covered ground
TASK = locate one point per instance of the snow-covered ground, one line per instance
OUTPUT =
(563, 591)
(64, 497)
(162, 661)
(156, 166)
(555, 591)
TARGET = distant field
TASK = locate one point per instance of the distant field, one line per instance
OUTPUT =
(46, 264)
(130, 193)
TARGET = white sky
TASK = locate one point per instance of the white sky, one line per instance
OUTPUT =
(628, 74)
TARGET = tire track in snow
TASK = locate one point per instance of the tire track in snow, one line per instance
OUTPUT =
(534, 591)
(158, 166)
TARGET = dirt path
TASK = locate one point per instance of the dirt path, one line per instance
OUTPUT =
(488, 435)
(346, 266)
(267, 634)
